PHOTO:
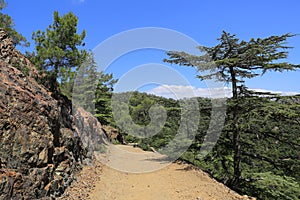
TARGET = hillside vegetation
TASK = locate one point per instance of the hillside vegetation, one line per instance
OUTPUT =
(270, 137)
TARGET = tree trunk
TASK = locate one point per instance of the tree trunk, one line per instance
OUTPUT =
(236, 132)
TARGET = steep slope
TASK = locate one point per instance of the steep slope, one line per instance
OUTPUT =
(40, 139)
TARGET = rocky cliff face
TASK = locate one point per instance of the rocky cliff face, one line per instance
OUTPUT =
(40, 139)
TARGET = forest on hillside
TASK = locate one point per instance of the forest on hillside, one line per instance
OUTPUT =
(258, 151)
(269, 142)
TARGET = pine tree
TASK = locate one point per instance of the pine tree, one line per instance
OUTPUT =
(93, 90)
(57, 51)
(233, 61)
(84, 87)
(104, 89)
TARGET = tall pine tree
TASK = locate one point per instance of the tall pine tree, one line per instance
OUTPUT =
(233, 61)
(57, 51)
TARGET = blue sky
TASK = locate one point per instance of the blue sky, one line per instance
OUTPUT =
(201, 20)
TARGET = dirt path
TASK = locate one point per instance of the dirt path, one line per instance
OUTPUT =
(173, 181)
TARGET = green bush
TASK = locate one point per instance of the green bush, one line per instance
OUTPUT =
(269, 186)
(131, 139)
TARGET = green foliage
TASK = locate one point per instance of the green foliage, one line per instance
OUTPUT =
(57, 52)
(84, 87)
(269, 186)
(93, 90)
(270, 144)
(136, 122)
(104, 89)
(7, 23)
(233, 60)
(131, 139)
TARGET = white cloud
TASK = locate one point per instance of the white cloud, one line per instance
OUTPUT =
(282, 93)
(181, 91)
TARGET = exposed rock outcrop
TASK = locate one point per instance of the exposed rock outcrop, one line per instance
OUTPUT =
(11, 56)
(40, 144)
(90, 131)
(113, 134)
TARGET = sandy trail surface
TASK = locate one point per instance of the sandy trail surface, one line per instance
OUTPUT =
(160, 180)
